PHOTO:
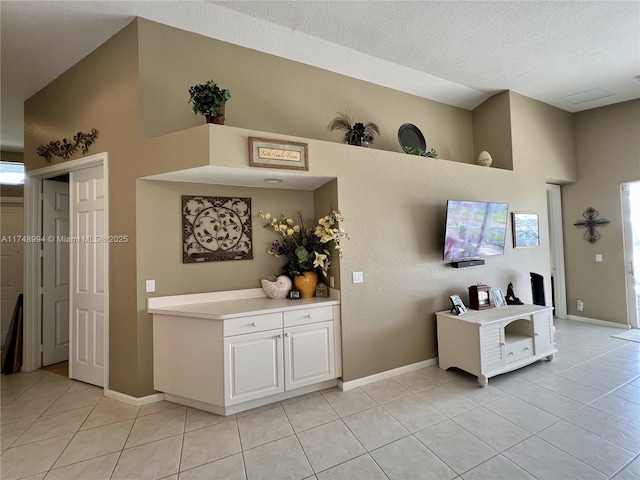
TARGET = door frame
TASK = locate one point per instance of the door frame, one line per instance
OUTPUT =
(556, 245)
(32, 359)
(633, 316)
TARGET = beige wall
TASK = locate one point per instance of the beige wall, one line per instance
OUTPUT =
(608, 151)
(135, 87)
(492, 130)
(102, 92)
(543, 139)
(272, 94)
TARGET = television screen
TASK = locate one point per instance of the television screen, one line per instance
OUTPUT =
(475, 229)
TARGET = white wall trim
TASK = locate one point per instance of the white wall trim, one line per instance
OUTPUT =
(11, 199)
(605, 323)
(135, 401)
(344, 386)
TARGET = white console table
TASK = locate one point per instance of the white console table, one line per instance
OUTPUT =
(226, 352)
(489, 342)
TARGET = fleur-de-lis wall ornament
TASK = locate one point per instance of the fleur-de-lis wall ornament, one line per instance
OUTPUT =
(590, 223)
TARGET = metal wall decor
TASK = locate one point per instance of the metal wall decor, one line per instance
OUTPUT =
(64, 149)
(590, 223)
(216, 229)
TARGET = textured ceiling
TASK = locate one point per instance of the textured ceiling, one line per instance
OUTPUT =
(457, 53)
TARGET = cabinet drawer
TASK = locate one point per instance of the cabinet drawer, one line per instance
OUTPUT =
(252, 324)
(308, 315)
(518, 350)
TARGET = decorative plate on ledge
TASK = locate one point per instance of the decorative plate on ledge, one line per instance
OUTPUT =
(410, 136)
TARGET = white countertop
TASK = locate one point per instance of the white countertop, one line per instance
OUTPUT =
(493, 314)
(225, 305)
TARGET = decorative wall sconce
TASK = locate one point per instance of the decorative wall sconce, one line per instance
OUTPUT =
(64, 149)
(590, 223)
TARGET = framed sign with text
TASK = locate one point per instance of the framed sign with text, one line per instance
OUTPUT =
(269, 153)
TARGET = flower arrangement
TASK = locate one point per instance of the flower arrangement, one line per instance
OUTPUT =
(360, 134)
(307, 248)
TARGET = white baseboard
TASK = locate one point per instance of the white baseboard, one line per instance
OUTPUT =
(598, 322)
(344, 386)
(135, 401)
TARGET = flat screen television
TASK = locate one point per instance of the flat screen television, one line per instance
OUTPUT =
(474, 229)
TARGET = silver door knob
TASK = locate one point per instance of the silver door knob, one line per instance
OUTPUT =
(279, 335)
(286, 334)
(254, 324)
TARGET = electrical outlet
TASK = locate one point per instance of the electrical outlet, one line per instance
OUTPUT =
(332, 282)
(598, 257)
(580, 305)
(150, 286)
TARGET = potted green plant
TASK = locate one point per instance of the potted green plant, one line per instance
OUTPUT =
(209, 100)
(360, 134)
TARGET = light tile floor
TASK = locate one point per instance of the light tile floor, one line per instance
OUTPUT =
(577, 417)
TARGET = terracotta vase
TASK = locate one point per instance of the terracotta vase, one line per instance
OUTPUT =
(218, 120)
(306, 283)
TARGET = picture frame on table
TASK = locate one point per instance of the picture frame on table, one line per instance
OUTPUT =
(526, 229)
(498, 298)
(458, 306)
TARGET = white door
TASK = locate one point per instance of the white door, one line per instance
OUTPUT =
(88, 295)
(55, 272)
(308, 355)
(12, 230)
(631, 231)
(253, 366)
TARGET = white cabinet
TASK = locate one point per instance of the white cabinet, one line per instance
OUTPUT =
(253, 366)
(308, 354)
(233, 354)
(486, 343)
(275, 361)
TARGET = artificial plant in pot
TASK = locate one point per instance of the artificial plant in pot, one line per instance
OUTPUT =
(360, 134)
(209, 100)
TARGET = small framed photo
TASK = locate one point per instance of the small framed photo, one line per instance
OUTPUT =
(526, 230)
(267, 153)
(457, 305)
(498, 297)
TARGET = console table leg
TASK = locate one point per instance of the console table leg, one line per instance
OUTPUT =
(483, 381)
(551, 357)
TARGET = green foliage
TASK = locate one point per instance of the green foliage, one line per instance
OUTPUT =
(207, 98)
(418, 151)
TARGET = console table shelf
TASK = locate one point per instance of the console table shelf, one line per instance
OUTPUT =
(487, 343)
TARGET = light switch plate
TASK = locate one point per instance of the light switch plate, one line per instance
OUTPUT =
(358, 277)
(598, 257)
(150, 286)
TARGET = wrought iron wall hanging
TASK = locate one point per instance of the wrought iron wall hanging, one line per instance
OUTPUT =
(590, 223)
(216, 229)
(65, 149)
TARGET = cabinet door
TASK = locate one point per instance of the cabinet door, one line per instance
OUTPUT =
(543, 332)
(491, 347)
(309, 354)
(254, 366)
